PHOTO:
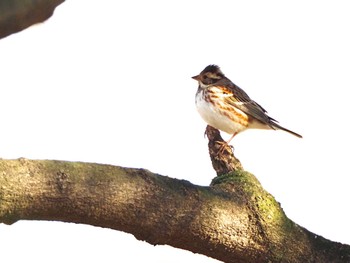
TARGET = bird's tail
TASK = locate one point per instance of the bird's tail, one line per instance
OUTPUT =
(277, 126)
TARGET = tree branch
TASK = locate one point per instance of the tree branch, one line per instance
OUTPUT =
(234, 220)
(221, 154)
(17, 15)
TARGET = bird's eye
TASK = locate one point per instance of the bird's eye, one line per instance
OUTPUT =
(205, 77)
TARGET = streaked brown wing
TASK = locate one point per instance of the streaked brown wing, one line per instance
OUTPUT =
(242, 101)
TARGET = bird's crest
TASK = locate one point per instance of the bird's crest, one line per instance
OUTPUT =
(213, 69)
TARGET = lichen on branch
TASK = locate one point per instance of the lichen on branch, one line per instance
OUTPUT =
(234, 218)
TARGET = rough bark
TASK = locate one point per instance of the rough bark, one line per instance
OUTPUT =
(233, 220)
(16, 15)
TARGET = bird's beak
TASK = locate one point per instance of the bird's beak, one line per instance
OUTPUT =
(196, 77)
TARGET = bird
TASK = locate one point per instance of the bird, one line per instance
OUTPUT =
(226, 107)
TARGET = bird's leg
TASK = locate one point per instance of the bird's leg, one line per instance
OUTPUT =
(229, 140)
(223, 144)
(224, 162)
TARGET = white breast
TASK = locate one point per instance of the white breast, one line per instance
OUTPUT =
(225, 121)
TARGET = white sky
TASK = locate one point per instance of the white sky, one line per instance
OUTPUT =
(110, 82)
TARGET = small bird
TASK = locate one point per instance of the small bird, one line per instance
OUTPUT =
(226, 107)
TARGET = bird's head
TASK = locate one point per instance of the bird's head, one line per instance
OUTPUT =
(210, 75)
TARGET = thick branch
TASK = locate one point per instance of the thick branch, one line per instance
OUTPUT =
(16, 15)
(235, 220)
